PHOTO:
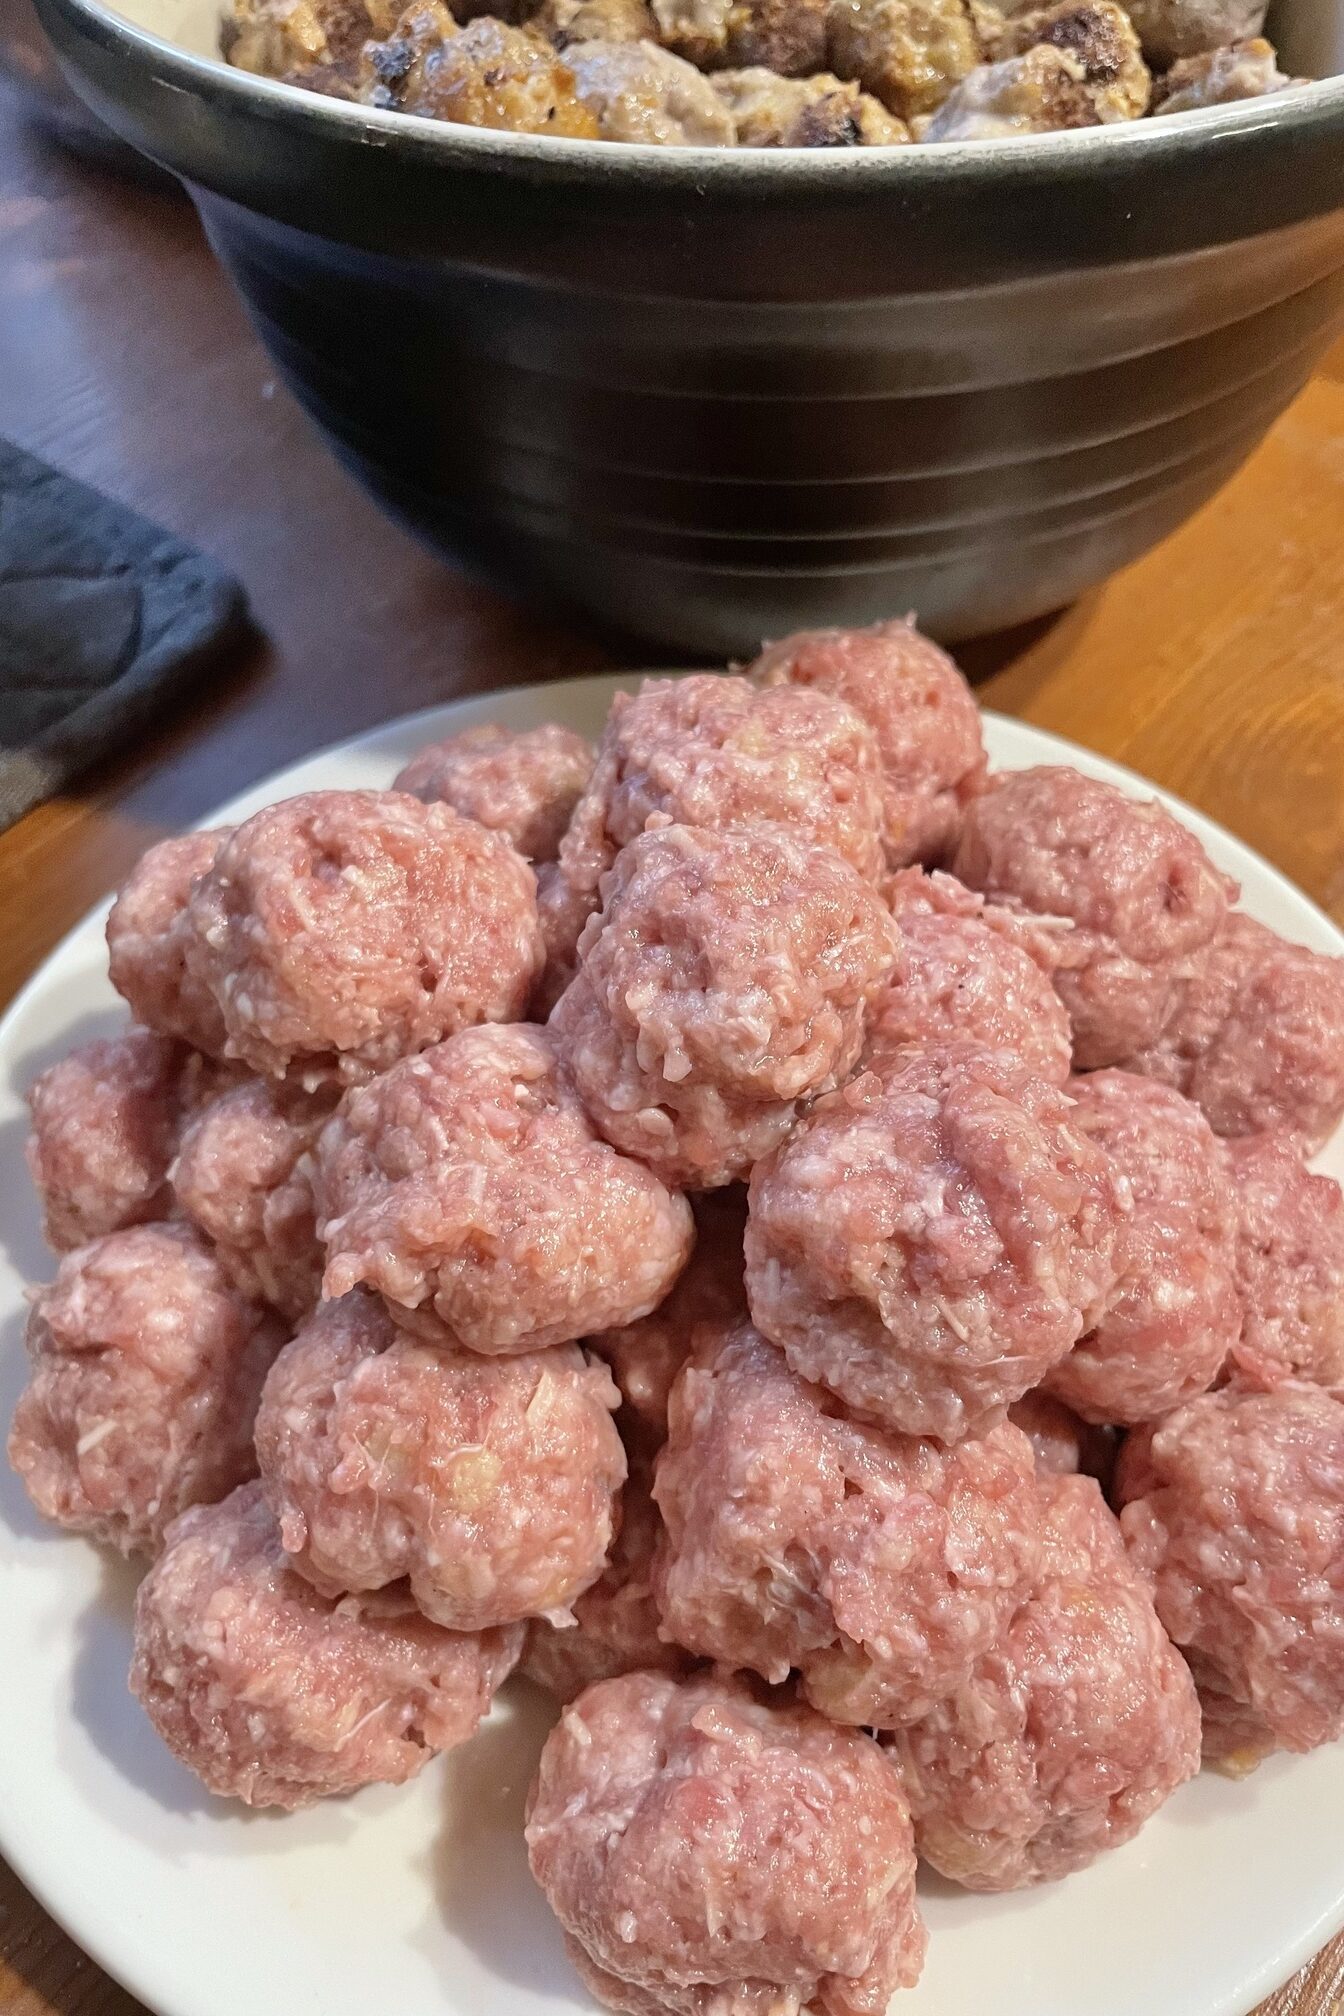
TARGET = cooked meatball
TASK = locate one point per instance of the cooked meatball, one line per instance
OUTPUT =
(1290, 1264)
(932, 1239)
(274, 1695)
(276, 37)
(706, 1845)
(639, 91)
(244, 1173)
(148, 934)
(725, 982)
(787, 37)
(566, 21)
(1256, 1035)
(1220, 77)
(489, 1484)
(486, 74)
(772, 111)
(467, 1186)
(1043, 91)
(716, 752)
(908, 53)
(615, 1623)
(973, 970)
(878, 1565)
(1099, 34)
(105, 1125)
(523, 785)
(1169, 29)
(341, 930)
(1234, 1509)
(1136, 891)
(146, 1369)
(920, 709)
(1073, 1729)
(1063, 1444)
(1174, 1313)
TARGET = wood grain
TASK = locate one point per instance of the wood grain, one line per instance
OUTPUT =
(1216, 665)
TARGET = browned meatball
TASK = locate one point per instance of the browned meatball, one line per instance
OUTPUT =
(1169, 29)
(566, 21)
(148, 936)
(1043, 91)
(637, 91)
(786, 36)
(908, 53)
(707, 1846)
(1099, 34)
(486, 74)
(1220, 77)
(772, 111)
(276, 38)
(274, 1695)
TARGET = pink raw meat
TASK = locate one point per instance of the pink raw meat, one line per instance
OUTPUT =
(524, 785)
(148, 936)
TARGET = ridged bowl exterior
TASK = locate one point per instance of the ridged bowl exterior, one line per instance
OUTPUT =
(713, 399)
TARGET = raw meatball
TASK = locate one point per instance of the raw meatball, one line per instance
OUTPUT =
(615, 1627)
(1072, 1730)
(105, 1125)
(645, 1357)
(725, 982)
(716, 752)
(1290, 1264)
(562, 911)
(1043, 91)
(1256, 1035)
(908, 53)
(1139, 894)
(920, 709)
(708, 1846)
(638, 91)
(1063, 1444)
(486, 74)
(244, 1173)
(787, 37)
(147, 1365)
(1169, 29)
(933, 1238)
(1234, 1509)
(524, 785)
(342, 930)
(1174, 1313)
(1220, 77)
(772, 111)
(272, 1694)
(148, 936)
(467, 1186)
(1099, 35)
(878, 1565)
(973, 970)
(488, 1483)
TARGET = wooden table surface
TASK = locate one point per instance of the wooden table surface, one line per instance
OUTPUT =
(1216, 665)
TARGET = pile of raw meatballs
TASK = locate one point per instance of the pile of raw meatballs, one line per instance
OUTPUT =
(718, 1222)
(765, 73)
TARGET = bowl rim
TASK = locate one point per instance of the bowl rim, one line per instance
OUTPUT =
(1033, 159)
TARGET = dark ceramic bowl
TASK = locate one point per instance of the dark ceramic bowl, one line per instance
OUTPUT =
(714, 395)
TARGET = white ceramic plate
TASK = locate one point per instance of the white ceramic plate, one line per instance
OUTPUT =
(417, 1902)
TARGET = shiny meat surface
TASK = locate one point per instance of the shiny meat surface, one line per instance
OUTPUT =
(1234, 1510)
(1045, 90)
(1071, 1731)
(244, 1174)
(971, 970)
(819, 111)
(486, 74)
(488, 1483)
(1170, 29)
(933, 1238)
(467, 1186)
(918, 706)
(877, 1565)
(1064, 1445)
(1174, 1312)
(1290, 1264)
(908, 53)
(725, 982)
(148, 935)
(787, 37)
(147, 1365)
(1136, 891)
(638, 91)
(1221, 77)
(1099, 35)
(341, 930)
(273, 1695)
(709, 1847)
(524, 785)
(105, 1125)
